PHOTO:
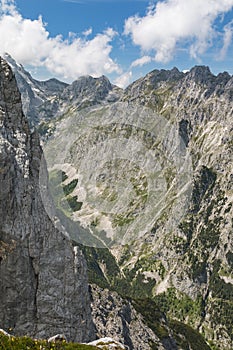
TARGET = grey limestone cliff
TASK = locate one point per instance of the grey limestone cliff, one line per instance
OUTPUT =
(116, 317)
(183, 259)
(43, 288)
(44, 101)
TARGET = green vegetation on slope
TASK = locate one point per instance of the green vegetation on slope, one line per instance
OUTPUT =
(104, 270)
(185, 336)
(26, 343)
(62, 194)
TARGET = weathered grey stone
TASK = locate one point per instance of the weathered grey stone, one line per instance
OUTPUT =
(43, 289)
(116, 317)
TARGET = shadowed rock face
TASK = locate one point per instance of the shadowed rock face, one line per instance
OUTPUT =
(43, 287)
(122, 322)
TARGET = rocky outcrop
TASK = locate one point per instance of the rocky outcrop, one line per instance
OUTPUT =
(197, 255)
(39, 98)
(43, 289)
(51, 99)
(117, 318)
(107, 343)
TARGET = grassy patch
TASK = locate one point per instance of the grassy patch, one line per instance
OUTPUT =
(187, 338)
(26, 343)
(68, 189)
(73, 203)
(62, 193)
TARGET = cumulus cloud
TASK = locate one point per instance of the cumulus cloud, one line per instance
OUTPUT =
(87, 32)
(141, 61)
(8, 6)
(227, 39)
(29, 42)
(177, 23)
(123, 80)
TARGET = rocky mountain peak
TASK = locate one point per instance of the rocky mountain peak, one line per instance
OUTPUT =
(157, 79)
(87, 85)
(10, 100)
(223, 77)
(208, 85)
(163, 75)
(200, 74)
(35, 94)
(13, 64)
(52, 85)
(87, 91)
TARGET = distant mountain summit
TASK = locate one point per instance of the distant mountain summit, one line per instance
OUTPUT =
(35, 93)
(152, 166)
(44, 100)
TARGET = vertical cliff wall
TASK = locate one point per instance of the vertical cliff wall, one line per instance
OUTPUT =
(43, 283)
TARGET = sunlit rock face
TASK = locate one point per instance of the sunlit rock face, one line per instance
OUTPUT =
(36, 94)
(154, 184)
(148, 171)
(43, 285)
(129, 167)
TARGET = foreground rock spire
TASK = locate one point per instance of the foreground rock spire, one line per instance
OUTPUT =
(43, 280)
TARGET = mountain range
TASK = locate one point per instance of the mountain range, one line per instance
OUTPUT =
(142, 183)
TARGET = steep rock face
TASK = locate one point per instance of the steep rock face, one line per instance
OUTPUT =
(138, 324)
(197, 255)
(51, 99)
(117, 318)
(39, 98)
(43, 285)
(187, 268)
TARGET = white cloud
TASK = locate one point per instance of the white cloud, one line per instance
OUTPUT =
(141, 61)
(8, 6)
(29, 42)
(123, 80)
(87, 32)
(172, 23)
(227, 39)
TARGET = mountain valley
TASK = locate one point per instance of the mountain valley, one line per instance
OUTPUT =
(142, 182)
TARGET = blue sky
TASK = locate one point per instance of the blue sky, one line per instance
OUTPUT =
(122, 39)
